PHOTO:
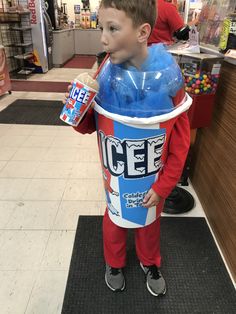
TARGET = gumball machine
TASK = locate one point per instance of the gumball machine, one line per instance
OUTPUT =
(201, 75)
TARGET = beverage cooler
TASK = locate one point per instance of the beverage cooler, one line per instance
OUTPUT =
(52, 10)
(5, 84)
(42, 37)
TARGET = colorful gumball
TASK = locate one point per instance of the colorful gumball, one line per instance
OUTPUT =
(202, 82)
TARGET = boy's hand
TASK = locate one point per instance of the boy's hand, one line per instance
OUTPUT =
(67, 94)
(151, 199)
(113, 192)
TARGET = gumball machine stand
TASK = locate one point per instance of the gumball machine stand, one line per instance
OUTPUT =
(201, 74)
(200, 113)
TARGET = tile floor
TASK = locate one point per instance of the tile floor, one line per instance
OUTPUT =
(49, 175)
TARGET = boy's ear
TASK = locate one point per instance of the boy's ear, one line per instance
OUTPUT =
(144, 32)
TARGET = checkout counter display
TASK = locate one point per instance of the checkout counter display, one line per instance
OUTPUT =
(85, 19)
(211, 21)
(228, 35)
(201, 74)
(88, 19)
(5, 85)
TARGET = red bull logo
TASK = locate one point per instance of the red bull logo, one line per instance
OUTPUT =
(32, 8)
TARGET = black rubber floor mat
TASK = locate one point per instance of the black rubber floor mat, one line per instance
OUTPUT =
(31, 111)
(197, 280)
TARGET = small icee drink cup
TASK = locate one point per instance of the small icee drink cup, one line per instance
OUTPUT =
(83, 91)
(79, 101)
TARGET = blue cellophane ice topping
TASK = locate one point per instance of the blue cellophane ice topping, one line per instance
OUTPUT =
(141, 93)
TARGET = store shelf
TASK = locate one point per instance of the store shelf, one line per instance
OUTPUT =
(210, 50)
(22, 45)
(9, 17)
(12, 17)
(18, 44)
(23, 28)
(24, 56)
(16, 37)
(8, 45)
(25, 71)
(23, 12)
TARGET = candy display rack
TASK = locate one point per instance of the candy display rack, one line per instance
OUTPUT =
(16, 37)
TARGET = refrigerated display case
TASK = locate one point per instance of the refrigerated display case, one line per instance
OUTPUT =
(42, 38)
(210, 15)
(211, 21)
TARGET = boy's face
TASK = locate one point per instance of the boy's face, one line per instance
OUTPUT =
(119, 36)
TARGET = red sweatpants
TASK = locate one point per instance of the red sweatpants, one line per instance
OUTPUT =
(147, 243)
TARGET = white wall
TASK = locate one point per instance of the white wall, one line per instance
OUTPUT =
(71, 3)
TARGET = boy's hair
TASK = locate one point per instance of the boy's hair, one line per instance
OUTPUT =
(140, 11)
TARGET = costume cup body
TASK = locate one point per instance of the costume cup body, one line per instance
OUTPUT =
(134, 116)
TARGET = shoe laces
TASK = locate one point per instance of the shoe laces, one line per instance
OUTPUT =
(154, 271)
(114, 271)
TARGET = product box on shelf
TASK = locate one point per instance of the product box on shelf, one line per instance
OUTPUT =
(5, 84)
(9, 17)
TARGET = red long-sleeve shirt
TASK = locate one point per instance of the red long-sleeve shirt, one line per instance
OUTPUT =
(174, 154)
(168, 21)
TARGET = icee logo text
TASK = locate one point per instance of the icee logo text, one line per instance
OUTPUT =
(80, 94)
(134, 158)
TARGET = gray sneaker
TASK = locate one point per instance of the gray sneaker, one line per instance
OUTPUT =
(114, 278)
(155, 282)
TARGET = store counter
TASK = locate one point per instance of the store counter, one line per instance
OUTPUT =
(63, 47)
(213, 164)
(87, 41)
(68, 42)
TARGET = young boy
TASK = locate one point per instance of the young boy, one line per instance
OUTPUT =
(126, 26)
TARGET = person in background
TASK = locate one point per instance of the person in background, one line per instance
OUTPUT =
(168, 24)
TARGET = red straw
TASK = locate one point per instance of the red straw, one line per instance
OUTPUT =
(101, 65)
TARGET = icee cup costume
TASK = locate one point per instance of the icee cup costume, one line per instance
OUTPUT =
(143, 134)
